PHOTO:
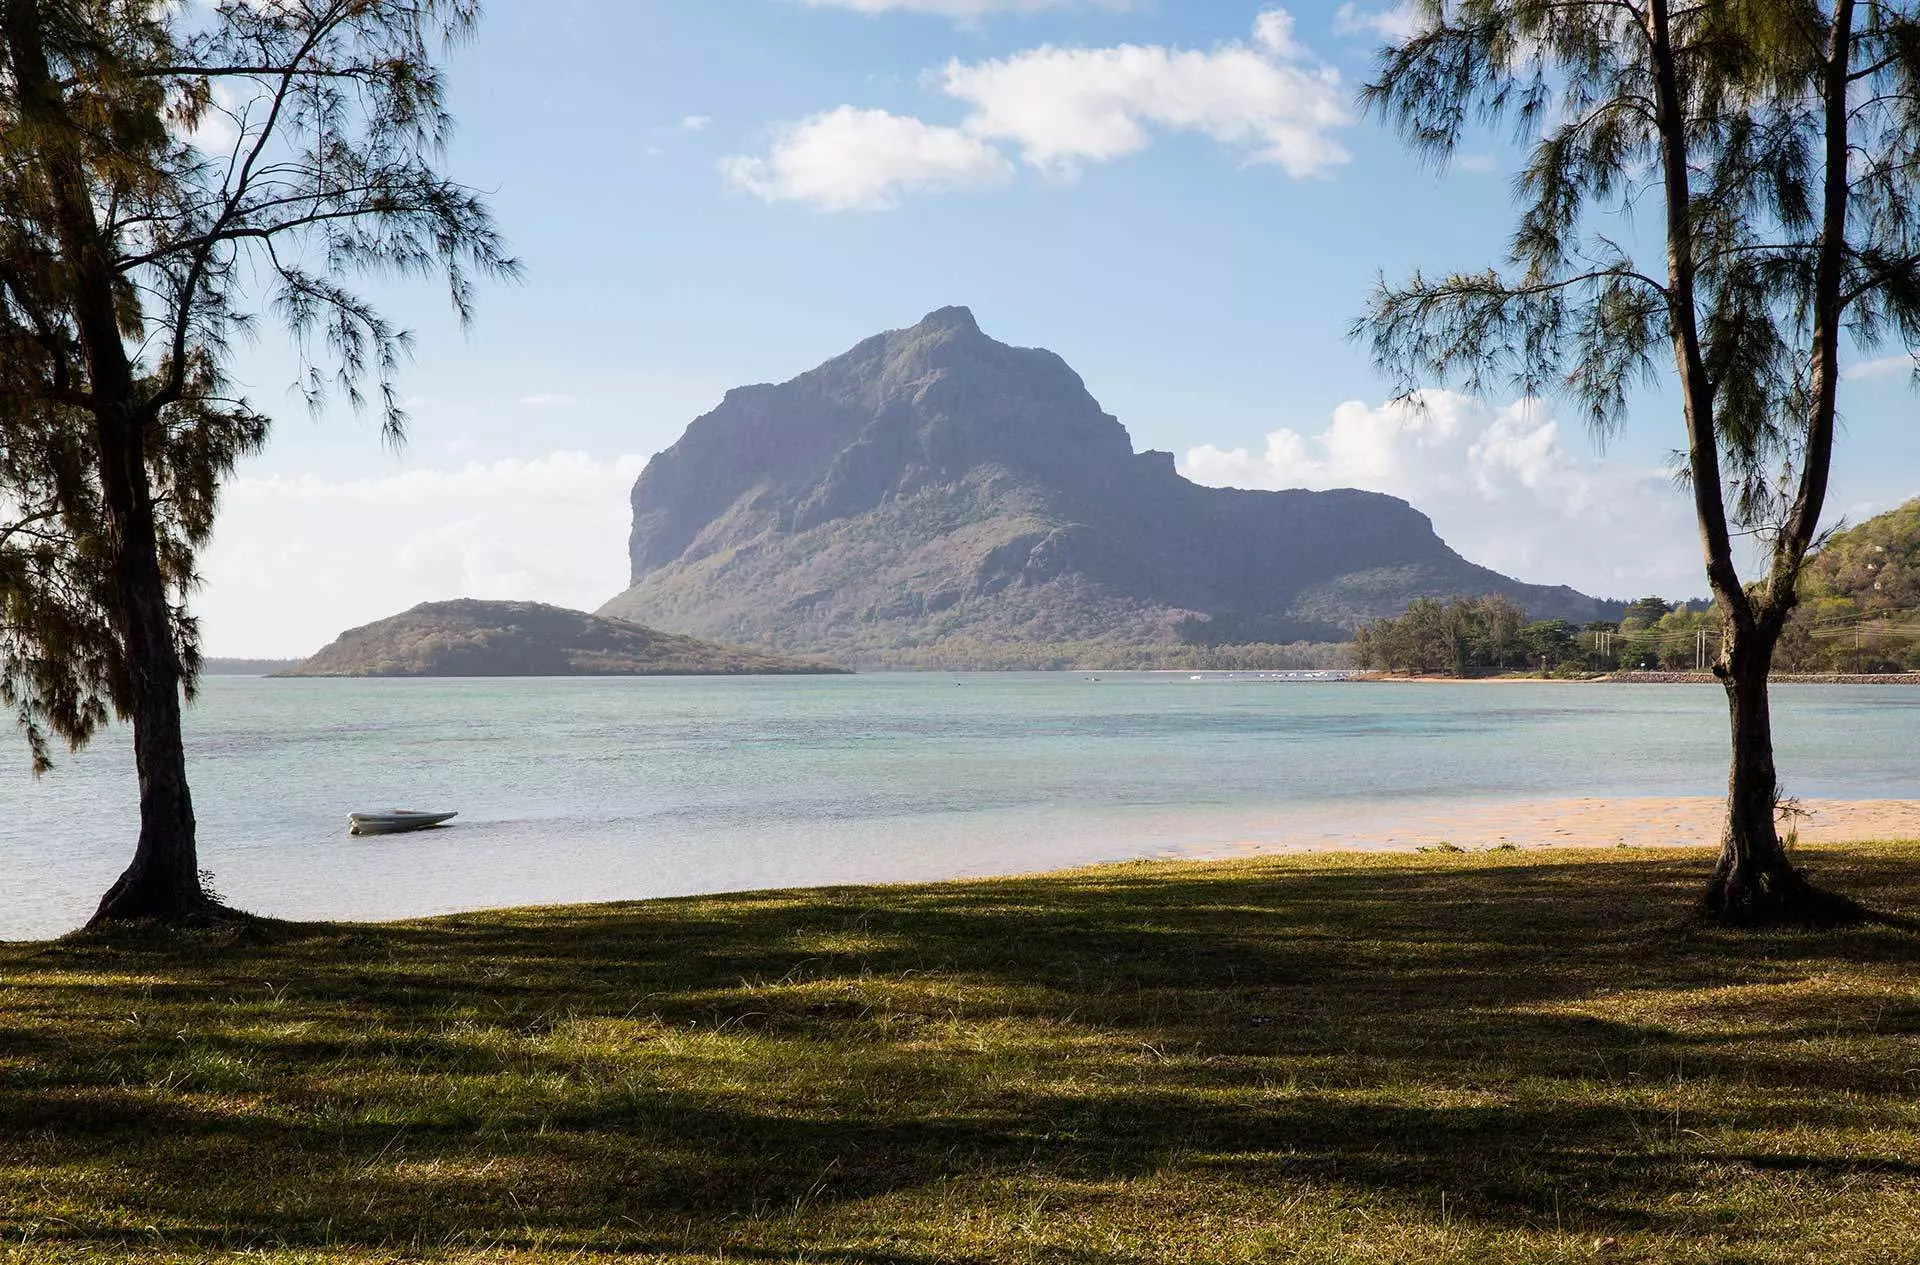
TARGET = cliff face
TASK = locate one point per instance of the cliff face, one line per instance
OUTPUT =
(472, 638)
(933, 485)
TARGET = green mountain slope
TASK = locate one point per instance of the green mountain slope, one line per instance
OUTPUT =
(1860, 600)
(1875, 566)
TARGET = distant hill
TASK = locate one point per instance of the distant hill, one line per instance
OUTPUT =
(474, 638)
(244, 667)
(933, 494)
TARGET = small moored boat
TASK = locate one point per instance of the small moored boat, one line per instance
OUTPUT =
(394, 821)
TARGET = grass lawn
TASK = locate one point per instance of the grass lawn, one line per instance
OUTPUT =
(1477, 1058)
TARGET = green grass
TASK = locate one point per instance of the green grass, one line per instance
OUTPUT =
(1442, 1058)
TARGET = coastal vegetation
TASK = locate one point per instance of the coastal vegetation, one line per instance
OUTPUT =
(1776, 143)
(1858, 614)
(1490, 635)
(176, 174)
(1467, 1058)
(1461, 637)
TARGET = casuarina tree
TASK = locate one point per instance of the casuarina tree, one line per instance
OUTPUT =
(177, 173)
(1727, 187)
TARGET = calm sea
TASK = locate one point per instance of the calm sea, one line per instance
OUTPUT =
(576, 790)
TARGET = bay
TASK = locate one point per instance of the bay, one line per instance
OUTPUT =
(604, 789)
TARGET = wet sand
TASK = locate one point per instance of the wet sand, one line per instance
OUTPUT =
(1556, 823)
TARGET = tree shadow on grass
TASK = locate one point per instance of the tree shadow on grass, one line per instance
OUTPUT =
(736, 1073)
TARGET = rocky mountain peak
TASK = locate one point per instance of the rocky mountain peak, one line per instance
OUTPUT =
(933, 482)
(957, 319)
(913, 407)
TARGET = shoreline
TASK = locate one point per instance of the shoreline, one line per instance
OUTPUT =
(1684, 821)
(1652, 824)
(1635, 678)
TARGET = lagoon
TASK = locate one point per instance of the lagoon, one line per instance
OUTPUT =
(603, 789)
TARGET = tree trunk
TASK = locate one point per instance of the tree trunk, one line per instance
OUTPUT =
(163, 882)
(1755, 884)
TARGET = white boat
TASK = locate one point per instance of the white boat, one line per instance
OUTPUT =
(394, 821)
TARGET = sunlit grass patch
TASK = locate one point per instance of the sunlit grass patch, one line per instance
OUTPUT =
(1472, 1058)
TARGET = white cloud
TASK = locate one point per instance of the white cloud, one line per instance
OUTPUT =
(1882, 367)
(549, 400)
(696, 122)
(962, 9)
(1273, 31)
(1063, 108)
(1393, 22)
(848, 159)
(296, 560)
(1500, 486)
(1476, 164)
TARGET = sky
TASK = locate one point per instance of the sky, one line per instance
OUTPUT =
(1178, 196)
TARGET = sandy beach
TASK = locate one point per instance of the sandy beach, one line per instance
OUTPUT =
(1661, 677)
(1560, 823)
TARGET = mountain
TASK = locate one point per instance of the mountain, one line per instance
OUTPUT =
(933, 494)
(470, 638)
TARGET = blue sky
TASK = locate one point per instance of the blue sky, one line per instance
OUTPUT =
(1174, 195)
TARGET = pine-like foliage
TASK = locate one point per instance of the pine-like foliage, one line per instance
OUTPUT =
(173, 174)
(1768, 155)
(1727, 187)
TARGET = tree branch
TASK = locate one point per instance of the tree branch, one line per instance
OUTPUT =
(1803, 519)
(1697, 388)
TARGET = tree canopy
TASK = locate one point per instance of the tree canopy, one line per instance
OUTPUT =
(175, 176)
(1775, 146)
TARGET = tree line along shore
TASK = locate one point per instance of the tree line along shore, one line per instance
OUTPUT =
(1629, 678)
(1857, 618)
(1488, 636)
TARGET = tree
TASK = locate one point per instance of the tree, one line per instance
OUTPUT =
(1779, 142)
(1646, 611)
(1464, 634)
(1497, 627)
(173, 170)
(1548, 642)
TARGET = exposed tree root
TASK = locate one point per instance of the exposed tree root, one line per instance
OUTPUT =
(132, 903)
(1776, 897)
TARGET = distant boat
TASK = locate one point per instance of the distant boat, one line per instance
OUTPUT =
(394, 821)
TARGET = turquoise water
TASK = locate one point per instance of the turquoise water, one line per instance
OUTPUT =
(604, 789)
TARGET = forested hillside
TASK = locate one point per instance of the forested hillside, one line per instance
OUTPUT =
(1860, 600)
